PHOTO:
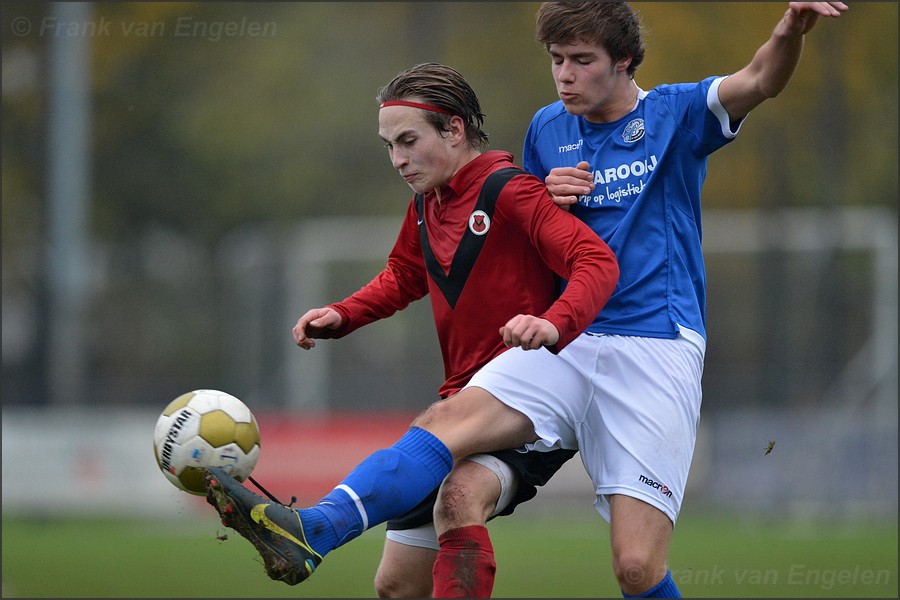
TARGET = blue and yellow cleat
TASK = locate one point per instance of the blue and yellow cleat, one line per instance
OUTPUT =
(274, 529)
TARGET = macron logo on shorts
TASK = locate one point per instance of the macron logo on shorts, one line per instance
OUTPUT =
(663, 489)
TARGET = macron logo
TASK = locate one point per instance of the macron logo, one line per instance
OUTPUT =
(663, 489)
(571, 147)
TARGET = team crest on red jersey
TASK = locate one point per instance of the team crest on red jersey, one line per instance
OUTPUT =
(479, 222)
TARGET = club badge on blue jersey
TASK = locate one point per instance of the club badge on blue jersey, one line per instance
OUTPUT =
(479, 222)
(633, 131)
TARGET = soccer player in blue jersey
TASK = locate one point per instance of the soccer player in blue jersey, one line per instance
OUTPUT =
(630, 163)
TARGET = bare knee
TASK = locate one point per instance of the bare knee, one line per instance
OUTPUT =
(437, 412)
(638, 571)
(393, 584)
(405, 571)
(640, 542)
(467, 497)
(387, 586)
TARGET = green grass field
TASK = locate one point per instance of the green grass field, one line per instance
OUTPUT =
(537, 558)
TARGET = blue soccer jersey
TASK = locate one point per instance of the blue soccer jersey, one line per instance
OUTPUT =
(649, 169)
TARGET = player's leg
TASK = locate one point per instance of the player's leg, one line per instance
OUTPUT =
(385, 485)
(636, 442)
(478, 488)
(470, 494)
(474, 420)
(405, 570)
(552, 391)
(640, 535)
(410, 549)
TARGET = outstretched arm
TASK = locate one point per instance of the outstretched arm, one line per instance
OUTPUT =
(775, 61)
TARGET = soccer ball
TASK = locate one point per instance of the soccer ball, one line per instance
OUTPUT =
(205, 428)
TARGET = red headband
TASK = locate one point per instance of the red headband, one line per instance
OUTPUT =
(416, 105)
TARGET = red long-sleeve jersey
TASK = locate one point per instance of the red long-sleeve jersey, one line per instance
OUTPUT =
(507, 265)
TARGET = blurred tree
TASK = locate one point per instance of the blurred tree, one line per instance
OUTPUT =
(213, 117)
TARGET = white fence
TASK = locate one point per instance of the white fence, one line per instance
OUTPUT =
(834, 463)
(835, 440)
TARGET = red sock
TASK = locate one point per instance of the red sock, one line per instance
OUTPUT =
(465, 565)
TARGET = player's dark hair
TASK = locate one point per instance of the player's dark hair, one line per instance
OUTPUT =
(441, 86)
(614, 26)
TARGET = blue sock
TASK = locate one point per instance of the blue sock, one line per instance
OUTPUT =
(664, 589)
(385, 485)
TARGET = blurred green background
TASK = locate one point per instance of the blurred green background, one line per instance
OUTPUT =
(538, 556)
(181, 181)
(206, 124)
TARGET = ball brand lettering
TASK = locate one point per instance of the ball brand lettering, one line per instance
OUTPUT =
(205, 428)
(663, 489)
(174, 430)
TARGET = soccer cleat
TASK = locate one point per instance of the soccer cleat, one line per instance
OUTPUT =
(274, 529)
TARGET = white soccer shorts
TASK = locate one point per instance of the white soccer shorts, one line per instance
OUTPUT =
(629, 404)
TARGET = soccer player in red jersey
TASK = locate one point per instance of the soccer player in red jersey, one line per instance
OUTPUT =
(487, 244)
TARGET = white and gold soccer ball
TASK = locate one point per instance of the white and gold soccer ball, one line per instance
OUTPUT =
(205, 428)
